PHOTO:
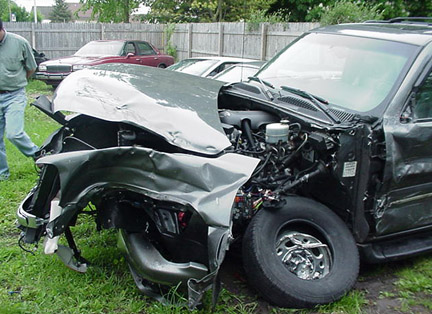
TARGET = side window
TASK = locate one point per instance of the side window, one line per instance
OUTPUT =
(423, 99)
(129, 48)
(220, 68)
(225, 66)
(145, 49)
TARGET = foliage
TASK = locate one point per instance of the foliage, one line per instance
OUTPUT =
(21, 14)
(170, 49)
(296, 10)
(194, 11)
(311, 10)
(256, 18)
(60, 12)
(261, 16)
(39, 16)
(346, 11)
(110, 11)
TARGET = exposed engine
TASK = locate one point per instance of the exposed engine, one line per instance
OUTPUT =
(289, 157)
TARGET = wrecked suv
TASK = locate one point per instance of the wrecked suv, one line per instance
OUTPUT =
(323, 157)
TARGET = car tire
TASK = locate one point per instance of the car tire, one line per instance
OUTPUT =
(162, 66)
(300, 255)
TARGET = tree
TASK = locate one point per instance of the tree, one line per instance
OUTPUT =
(419, 8)
(60, 13)
(347, 11)
(298, 10)
(181, 11)
(111, 11)
(20, 13)
(311, 10)
(39, 16)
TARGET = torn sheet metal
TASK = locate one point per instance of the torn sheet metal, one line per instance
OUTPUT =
(180, 107)
(207, 184)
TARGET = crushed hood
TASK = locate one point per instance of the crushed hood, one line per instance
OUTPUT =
(179, 107)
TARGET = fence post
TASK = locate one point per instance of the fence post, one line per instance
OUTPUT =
(102, 31)
(221, 39)
(189, 40)
(33, 36)
(263, 41)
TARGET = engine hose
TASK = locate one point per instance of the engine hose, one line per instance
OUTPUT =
(305, 178)
(248, 131)
(287, 160)
(263, 165)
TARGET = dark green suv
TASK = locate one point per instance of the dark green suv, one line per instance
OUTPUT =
(322, 158)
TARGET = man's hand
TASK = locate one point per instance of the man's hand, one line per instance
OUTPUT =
(29, 73)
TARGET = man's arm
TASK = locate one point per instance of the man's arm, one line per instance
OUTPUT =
(29, 60)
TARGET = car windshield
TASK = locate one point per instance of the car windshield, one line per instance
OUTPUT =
(193, 66)
(236, 73)
(351, 72)
(100, 48)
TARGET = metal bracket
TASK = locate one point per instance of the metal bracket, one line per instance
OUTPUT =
(71, 256)
(66, 255)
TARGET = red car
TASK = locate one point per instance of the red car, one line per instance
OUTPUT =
(96, 52)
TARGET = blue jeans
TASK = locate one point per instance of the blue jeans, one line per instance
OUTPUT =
(12, 107)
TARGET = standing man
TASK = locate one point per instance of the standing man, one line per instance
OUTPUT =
(17, 63)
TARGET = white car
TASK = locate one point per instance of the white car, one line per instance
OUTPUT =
(206, 66)
(239, 72)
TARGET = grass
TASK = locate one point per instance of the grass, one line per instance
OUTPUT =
(42, 284)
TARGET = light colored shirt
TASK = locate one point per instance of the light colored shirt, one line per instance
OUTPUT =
(16, 58)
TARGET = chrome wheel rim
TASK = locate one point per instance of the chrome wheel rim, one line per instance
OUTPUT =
(304, 255)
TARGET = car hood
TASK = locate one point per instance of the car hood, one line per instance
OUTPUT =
(179, 107)
(74, 60)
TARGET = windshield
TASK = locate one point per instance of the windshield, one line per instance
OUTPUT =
(193, 66)
(100, 48)
(351, 72)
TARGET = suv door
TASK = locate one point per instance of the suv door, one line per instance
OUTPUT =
(408, 202)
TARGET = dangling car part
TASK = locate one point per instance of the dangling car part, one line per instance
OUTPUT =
(306, 165)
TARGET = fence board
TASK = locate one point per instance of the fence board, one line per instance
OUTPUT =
(253, 41)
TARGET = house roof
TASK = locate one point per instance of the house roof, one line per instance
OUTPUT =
(73, 7)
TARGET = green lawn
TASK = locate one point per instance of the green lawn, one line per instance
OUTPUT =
(42, 284)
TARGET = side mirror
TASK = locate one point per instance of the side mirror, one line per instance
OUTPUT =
(405, 118)
(130, 54)
(42, 55)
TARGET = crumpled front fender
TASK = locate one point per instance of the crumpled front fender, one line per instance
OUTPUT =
(208, 185)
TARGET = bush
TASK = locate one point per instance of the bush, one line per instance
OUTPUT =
(169, 48)
(345, 11)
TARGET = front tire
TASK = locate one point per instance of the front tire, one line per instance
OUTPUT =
(301, 255)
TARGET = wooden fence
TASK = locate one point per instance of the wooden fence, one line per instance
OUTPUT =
(255, 41)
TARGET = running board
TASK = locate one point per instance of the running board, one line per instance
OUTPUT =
(395, 249)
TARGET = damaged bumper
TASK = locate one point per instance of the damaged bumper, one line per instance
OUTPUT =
(26, 219)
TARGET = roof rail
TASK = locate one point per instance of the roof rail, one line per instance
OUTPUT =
(406, 19)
